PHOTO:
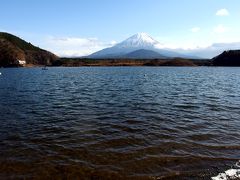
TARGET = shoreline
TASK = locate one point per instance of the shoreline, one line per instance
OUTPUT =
(77, 62)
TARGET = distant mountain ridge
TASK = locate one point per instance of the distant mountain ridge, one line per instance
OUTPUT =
(139, 41)
(144, 41)
(16, 52)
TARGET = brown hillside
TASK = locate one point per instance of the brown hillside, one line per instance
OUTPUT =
(14, 50)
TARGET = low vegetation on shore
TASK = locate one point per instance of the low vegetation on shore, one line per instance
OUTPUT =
(74, 62)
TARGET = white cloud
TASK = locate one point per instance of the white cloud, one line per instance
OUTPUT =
(186, 45)
(113, 43)
(195, 29)
(222, 12)
(221, 29)
(74, 46)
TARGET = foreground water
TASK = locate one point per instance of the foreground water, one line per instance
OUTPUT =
(119, 122)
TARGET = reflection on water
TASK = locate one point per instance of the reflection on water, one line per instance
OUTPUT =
(119, 122)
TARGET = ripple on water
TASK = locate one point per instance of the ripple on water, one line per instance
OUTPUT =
(113, 123)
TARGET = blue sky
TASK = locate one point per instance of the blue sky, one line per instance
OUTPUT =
(79, 27)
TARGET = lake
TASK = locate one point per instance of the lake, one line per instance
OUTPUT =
(119, 122)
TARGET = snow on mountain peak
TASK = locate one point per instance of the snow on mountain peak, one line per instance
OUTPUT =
(140, 40)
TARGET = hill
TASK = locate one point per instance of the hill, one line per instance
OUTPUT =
(144, 54)
(227, 58)
(17, 52)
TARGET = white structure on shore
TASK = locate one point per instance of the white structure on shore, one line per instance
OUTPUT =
(21, 62)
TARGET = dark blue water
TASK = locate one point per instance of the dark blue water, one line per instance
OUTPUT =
(118, 122)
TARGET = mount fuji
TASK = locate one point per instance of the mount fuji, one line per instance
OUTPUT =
(135, 47)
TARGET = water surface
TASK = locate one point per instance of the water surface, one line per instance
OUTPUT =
(119, 122)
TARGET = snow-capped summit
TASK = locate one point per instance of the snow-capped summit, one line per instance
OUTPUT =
(139, 41)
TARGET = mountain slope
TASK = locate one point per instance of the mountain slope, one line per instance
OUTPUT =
(136, 42)
(227, 58)
(144, 54)
(14, 50)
